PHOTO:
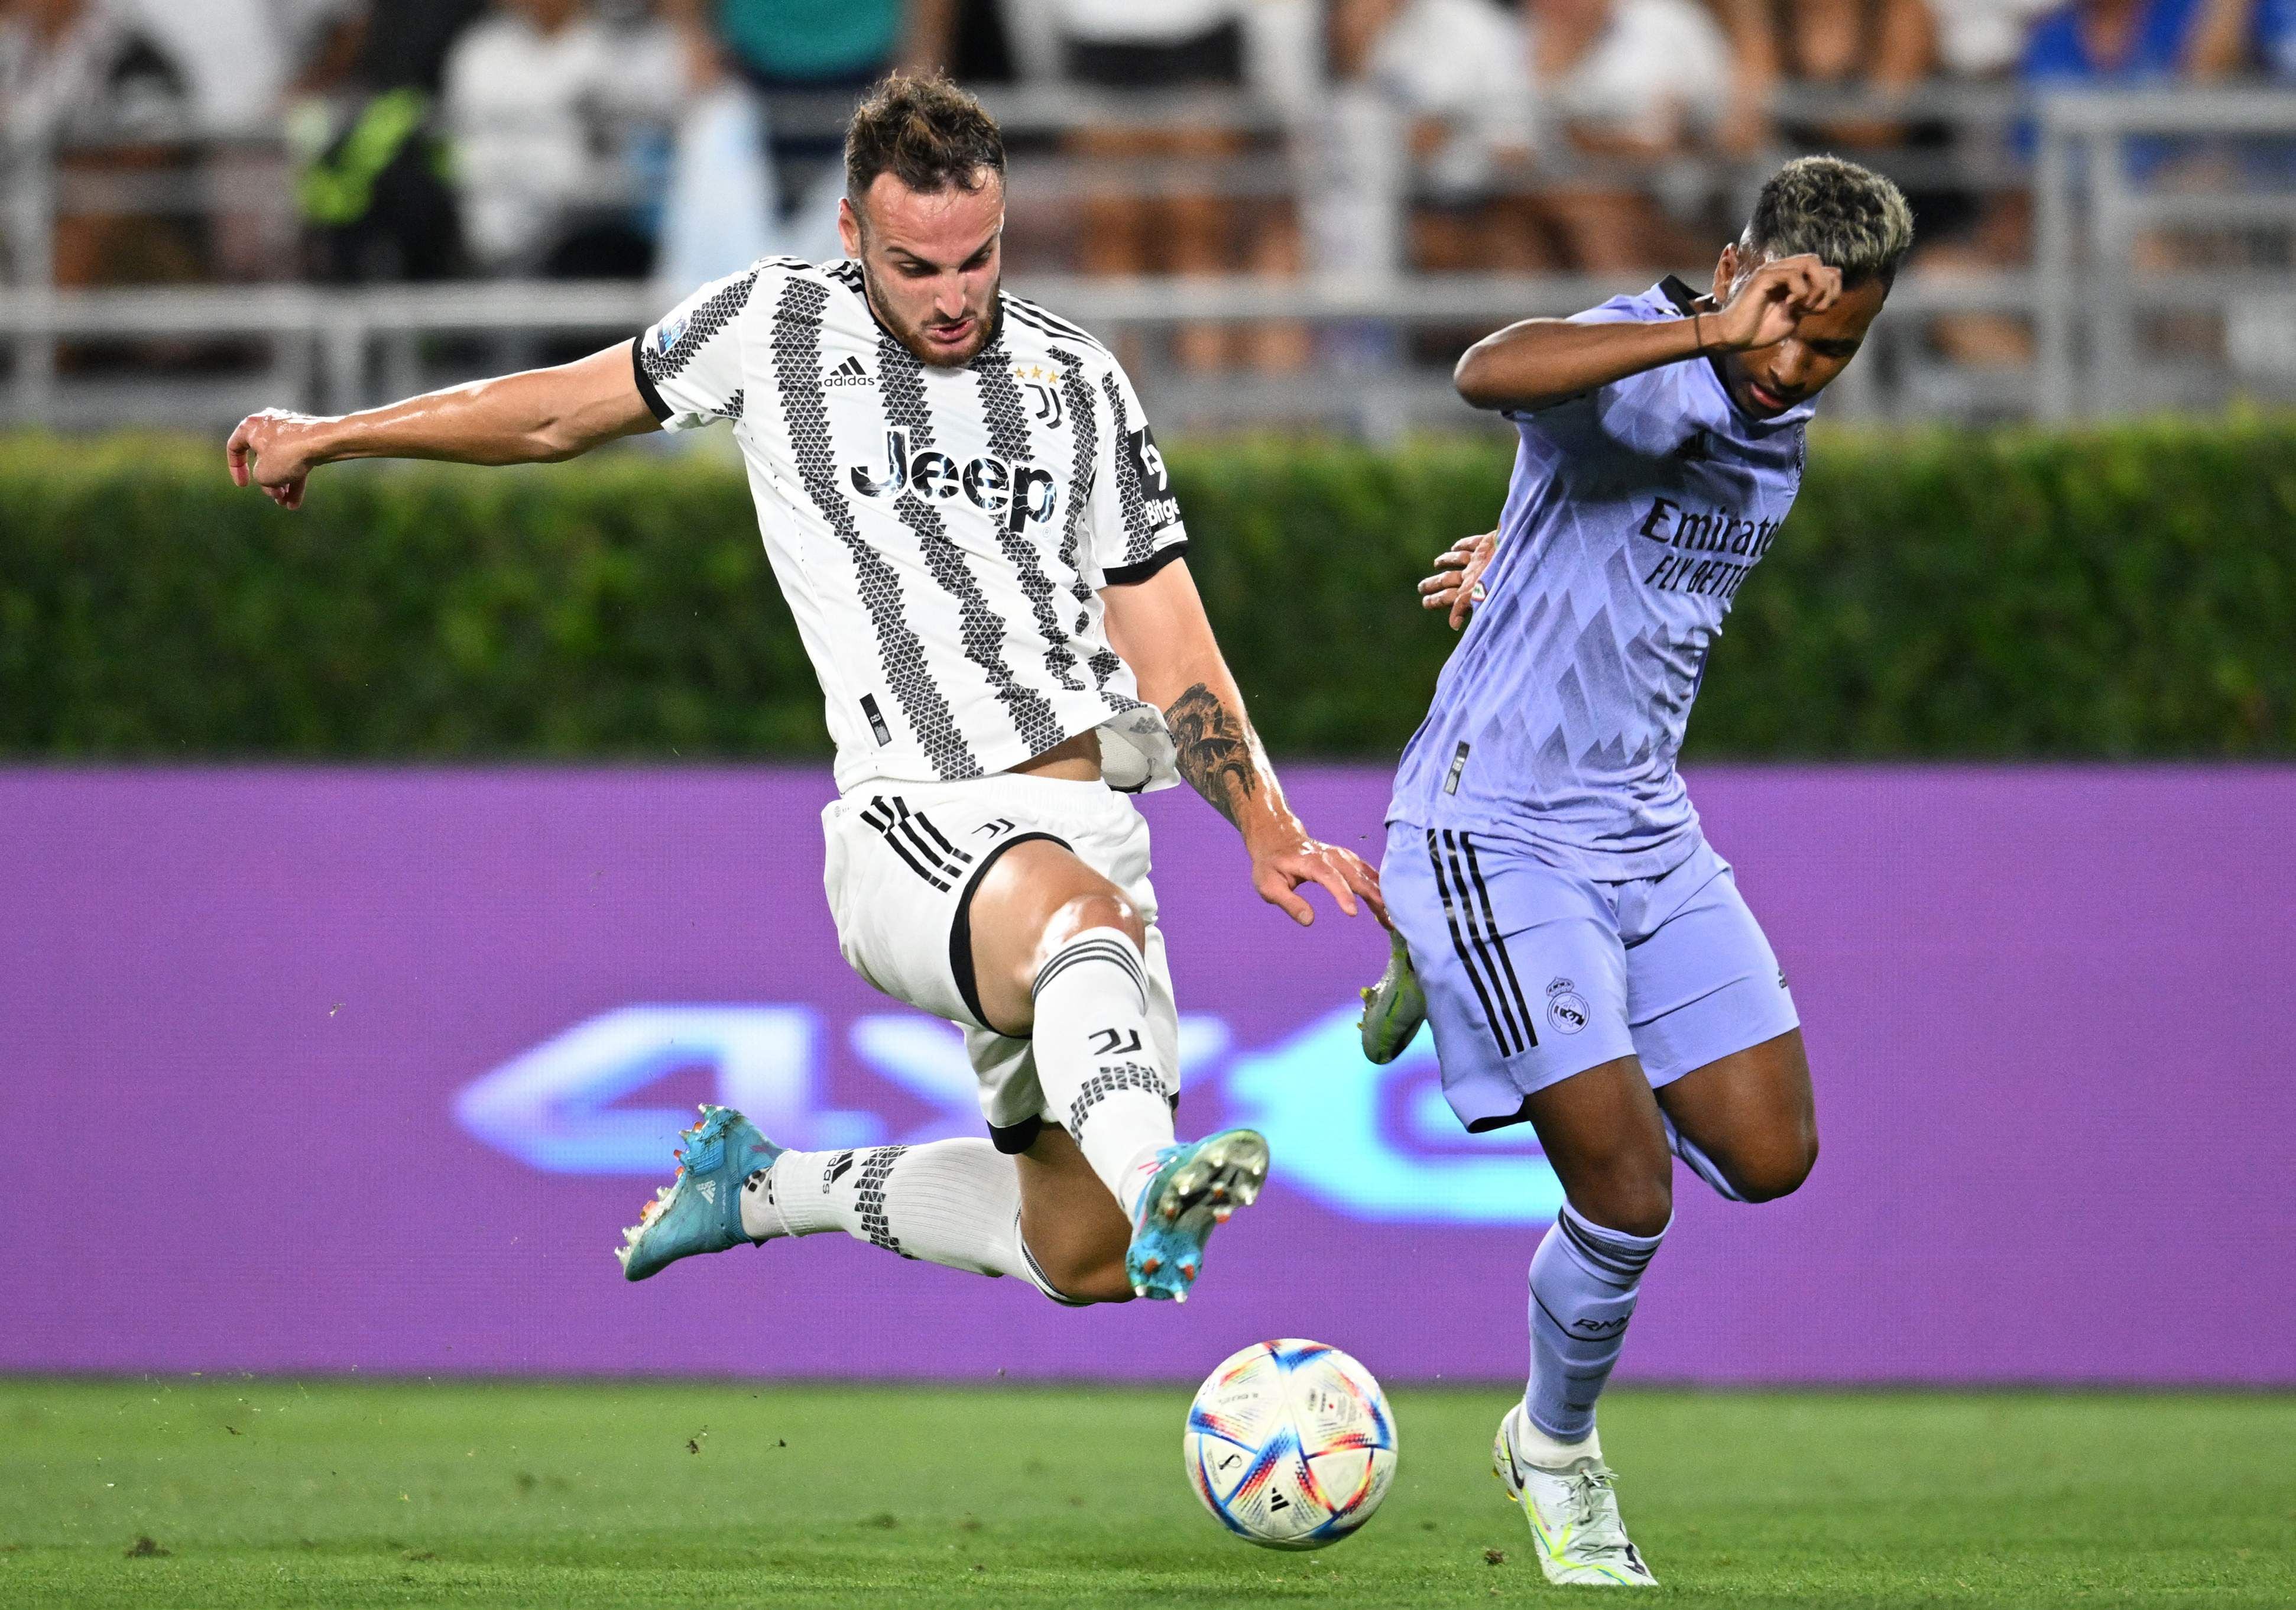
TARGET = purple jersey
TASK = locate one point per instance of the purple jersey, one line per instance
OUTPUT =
(1635, 511)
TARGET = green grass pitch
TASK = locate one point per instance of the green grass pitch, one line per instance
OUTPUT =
(261, 1492)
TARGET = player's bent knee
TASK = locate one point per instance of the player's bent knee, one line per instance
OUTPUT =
(1635, 1202)
(1083, 1280)
(1776, 1172)
(1103, 909)
(1107, 1285)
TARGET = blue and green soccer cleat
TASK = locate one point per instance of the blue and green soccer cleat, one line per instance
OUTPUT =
(701, 1209)
(1196, 1186)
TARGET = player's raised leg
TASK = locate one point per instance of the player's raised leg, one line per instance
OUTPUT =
(1747, 1123)
(956, 1203)
(1717, 1033)
(1059, 956)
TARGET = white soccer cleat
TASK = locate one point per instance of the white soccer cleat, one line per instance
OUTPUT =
(1574, 1517)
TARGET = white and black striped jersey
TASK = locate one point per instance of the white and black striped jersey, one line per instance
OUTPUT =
(941, 535)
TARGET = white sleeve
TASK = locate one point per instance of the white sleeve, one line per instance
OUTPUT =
(1136, 529)
(689, 366)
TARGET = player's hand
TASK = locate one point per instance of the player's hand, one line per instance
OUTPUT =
(1279, 873)
(276, 451)
(1772, 300)
(1457, 583)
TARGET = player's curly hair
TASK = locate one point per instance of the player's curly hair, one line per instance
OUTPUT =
(1847, 216)
(927, 133)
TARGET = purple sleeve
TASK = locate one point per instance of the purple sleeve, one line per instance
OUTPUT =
(1624, 310)
(1618, 310)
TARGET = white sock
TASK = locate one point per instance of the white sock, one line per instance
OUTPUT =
(1097, 1062)
(1539, 1449)
(955, 1201)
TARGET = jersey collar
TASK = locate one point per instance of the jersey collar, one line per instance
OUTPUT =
(1686, 301)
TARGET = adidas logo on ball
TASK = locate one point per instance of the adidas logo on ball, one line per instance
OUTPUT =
(1290, 1444)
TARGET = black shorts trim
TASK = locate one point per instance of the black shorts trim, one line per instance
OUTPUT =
(1014, 1139)
(660, 409)
(1484, 1125)
(1125, 575)
(960, 938)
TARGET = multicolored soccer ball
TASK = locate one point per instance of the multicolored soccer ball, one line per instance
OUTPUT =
(1290, 1444)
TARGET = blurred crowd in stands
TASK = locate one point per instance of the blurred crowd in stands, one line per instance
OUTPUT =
(677, 139)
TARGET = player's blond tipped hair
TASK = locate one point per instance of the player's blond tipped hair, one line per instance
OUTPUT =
(927, 133)
(1848, 217)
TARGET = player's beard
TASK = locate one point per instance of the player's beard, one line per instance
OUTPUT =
(936, 355)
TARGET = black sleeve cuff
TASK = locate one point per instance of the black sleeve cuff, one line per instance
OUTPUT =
(1125, 575)
(659, 408)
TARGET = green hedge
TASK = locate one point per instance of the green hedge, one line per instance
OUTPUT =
(2114, 593)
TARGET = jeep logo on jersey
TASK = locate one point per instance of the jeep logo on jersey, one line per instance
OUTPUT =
(1020, 495)
(1163, 509)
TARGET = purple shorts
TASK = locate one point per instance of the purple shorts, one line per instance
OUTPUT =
(1534, 973)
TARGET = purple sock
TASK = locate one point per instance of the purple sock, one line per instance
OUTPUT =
(1584, 1281)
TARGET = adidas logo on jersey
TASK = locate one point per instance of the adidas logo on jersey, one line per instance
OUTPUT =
(1019, 495)
(848, 374)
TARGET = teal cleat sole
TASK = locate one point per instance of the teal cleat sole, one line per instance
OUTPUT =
(1394, 1007)
(1198, 1187)
(700, 1211)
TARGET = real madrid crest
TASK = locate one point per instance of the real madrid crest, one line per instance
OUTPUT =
(1567, 1011)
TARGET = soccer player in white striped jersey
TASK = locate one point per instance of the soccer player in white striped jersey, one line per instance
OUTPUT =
(974, 527)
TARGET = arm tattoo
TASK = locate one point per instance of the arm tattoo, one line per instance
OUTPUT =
(1215, 749)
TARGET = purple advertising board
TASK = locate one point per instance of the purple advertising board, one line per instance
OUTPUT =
(335, 1070)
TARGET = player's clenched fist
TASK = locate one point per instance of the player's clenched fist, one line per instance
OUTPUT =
(1772, 299)
(275, 450)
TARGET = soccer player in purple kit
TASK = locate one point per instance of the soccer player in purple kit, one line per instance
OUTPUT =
(1583, 954)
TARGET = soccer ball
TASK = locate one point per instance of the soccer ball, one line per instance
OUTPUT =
(1290, 1444)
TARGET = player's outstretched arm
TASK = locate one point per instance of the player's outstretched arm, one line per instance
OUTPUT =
(1544, 361)
(1159, 628)
(537, 417)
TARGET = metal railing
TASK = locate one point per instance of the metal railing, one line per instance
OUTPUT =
(2106, 257)
(2100, 285)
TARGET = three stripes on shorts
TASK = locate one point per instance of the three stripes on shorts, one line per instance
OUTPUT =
(1475, 936)
(917, 841)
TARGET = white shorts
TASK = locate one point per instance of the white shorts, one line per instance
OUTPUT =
(903, 861)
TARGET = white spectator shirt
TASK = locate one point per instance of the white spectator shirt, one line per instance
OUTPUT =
(521, 104)
(1659, 60)
(941, 535)
(1982, 39)
(1466, 62)
(74, 87)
